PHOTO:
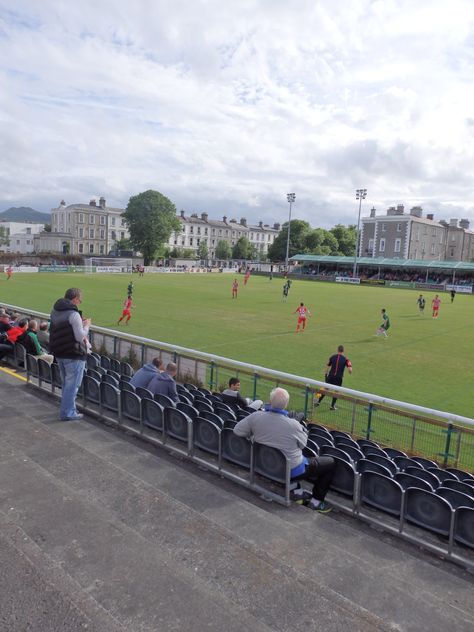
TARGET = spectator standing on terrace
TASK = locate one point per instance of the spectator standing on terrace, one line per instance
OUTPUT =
(303, 312)
(273, 427)
(232, 396)
(43, 335)
(435, 303)
(385, 324)
(235, 287)
(453, 294)
(421, 304)
(335, 373)
(148, 371)
(164, 383)
(32, 345)
(68, 336)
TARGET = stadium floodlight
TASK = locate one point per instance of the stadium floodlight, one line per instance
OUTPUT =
(291, 197)
(361, 194)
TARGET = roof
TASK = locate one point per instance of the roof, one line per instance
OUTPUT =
(389, 263)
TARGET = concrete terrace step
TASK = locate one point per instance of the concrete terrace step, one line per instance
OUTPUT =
(129, 537)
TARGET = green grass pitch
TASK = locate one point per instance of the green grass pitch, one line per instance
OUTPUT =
(424, 361)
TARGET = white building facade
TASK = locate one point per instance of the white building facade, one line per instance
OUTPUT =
(20, 236)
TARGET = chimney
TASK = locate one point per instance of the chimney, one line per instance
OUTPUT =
(276, 226)
(181, 213)
(102, 201)
(453, 223)
(204, 217)
(224, 219)
(260, 224)
(416, 211)
(400, 209)
(243, 221)
(92, 203)
(464, 223)
(430, 216)
(195, 215)
(62, 203)
(443, 222)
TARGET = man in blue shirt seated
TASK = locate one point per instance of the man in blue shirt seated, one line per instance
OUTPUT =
(164, 384)
(273, 427)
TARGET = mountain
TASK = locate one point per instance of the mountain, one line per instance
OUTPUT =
(25, 214)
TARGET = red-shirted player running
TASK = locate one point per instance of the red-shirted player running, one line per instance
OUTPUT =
(235, 287)
(435, 303)
(247, 277)
(302, 312)
(9, 272)
(127, 311)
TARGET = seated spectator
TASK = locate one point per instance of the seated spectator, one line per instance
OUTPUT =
(43, 335)
(164, 384)
(4, 322)
(148, 371)
(31, 343)
(17, 330)
(273, 427)
(231, 396)
(6, 346)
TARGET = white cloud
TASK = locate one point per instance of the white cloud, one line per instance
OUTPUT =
(226, 107)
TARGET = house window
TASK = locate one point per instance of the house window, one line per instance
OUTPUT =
(213, 231)
(399, 228)
(122, 222)
(198, 230)
(432, 249)
(382, 245)
(81, 218)
(113, 235)
(112, 221)
(122, 235)
(451, 252)
(213, 242)
(182, 242)
(398, 244)
(102, 220)
(81, 249)
(191, 229)
(28, 231)
(190, 241)
(101, 249)
(91, 233)
(384, 227)
(198, 241)
(17, 242)
(371, 245)
(102, 233)
(28, 242)
(205, 231)
(91, 219)
(91, 249)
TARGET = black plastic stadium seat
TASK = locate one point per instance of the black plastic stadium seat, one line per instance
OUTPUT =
(381, 492)
(189, 410)
(126, 369)
(164, 400)
(202, 405)
(126, 386)
(115, 374)
(143, 392)
(56, 373)
(329, 450)
(176, 424)
(402, 462)
(455, 499)
(343, 441)
(110, 397)
(369, 449)
(191, 387)
(407, 480)
(425, 463)
(105, 361)
(442, 475)
(271, 463)
(32, 365)
(92, 361)
(94, 374)
(428, 510)
(383, 460)
(185, 399)
(464, 526)
(367, 442)
(344, 477)
(311, 444)
(338, 434)
(320, 432)
(459, 486)
(393, 452)
(364, 465)
(320, 441)
(152, 414)
(424, 475)
(131, 405)
(44, 371)
(91, 389)
(109, 379)
(217, 419)
(461, 474)
(115, 365)
(354, 453)
(206, 435)
(235, 449)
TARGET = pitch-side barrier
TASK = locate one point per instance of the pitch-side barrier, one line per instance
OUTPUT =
(442, 436)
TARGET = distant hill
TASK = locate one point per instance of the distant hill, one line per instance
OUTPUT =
(25, 214)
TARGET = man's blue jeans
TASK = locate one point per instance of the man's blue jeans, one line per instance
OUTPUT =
(71, 378)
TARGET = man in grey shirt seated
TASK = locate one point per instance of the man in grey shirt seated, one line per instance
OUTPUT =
(164, 384)
(232, 396)
(274, 428)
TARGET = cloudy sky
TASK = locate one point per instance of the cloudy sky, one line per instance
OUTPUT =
(225, 107)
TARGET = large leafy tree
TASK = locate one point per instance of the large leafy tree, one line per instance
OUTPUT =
(243, 249)
(299, 230)
(346, 238)
(4, 238)
(320, 242)
(203, 250)
(151, 218)
(223, 250)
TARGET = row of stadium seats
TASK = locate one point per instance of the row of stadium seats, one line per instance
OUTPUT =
(412, 489)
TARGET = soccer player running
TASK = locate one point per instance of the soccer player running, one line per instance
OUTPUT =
(385, 324)
(421, 304)
(9, 272)
(303, 312)
(235, 288)
(127, 311)
(335, 372)
(435, 303)
(130, 289)
(284, 297)
(247, 276)
(453, 294)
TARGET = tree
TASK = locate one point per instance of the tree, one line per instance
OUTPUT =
(4, 238)
(151, 218)
(203, 250)
(223, 250)
(298, 231)
(346, 238)
(243, 249)
(122, 244)
(320, 242)
(47, 228)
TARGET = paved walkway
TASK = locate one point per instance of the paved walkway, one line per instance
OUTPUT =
(100, 531)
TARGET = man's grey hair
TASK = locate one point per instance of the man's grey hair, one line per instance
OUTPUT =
(33, 324)
(72, 293)
(171, 367)
(279, 398)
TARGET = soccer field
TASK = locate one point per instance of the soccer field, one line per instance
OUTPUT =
(424, 361)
